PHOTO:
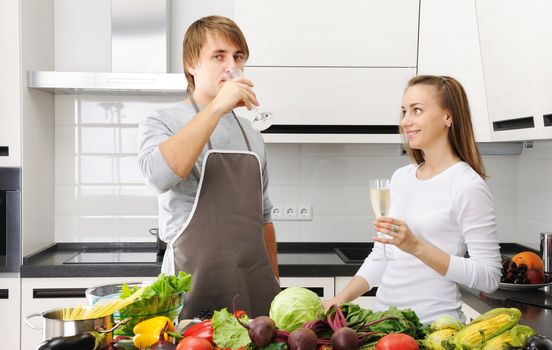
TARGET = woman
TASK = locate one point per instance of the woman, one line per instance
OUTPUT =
(441, 207)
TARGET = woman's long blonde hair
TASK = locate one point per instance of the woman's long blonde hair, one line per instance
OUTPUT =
(452, 98)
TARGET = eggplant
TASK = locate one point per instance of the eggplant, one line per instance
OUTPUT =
(84, 341)
(538, 342)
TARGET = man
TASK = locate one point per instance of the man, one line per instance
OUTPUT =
(209, 168)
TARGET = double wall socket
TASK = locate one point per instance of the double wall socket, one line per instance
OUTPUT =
(292, 212)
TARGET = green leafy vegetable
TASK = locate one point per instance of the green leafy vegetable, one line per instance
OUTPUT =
(228, 332)
(295, 306)
(163, 297)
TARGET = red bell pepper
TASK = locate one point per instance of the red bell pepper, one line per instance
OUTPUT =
(203, 329)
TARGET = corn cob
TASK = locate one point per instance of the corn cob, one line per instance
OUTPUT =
(485, 327)
(515, 338)
(434, 340)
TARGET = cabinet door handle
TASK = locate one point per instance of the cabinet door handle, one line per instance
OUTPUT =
(51, 293)
(318, 290)
(4, 293)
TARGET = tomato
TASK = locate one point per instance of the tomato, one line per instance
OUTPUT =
(240, 313)
(397, 341)
(194, 343)
(325, 347)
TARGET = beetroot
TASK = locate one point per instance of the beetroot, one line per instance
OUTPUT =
(302, 339)
(345, 339)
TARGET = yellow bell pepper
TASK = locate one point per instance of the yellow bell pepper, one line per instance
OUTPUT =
(147, 332)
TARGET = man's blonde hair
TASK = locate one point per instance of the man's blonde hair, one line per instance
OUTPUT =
(196, 37)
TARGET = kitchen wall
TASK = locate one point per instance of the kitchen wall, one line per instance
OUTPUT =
(100, 195)
(535, 191)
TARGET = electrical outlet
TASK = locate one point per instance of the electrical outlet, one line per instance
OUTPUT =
(304, 212)
(277, 212)
(290, 212)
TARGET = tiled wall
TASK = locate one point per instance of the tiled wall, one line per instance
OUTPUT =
(100, 194)
(535, 191)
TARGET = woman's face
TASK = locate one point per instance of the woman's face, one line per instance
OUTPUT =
(424, 121)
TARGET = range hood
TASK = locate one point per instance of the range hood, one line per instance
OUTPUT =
(140, 36)
(132, 83)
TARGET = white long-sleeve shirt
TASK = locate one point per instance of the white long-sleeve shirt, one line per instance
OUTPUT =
(453, 211)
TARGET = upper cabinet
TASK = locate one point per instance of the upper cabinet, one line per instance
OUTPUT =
(542, 57)
(449, 45)
(10, 118)
(322, 33)
(516, 52)
(318, 64)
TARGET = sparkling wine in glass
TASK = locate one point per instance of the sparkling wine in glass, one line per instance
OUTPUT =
(262, 120)
(380, 196)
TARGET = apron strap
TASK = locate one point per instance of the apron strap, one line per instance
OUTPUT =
(209, 145)
(243, 131)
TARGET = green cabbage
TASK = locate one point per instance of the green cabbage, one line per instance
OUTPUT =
(295, 306)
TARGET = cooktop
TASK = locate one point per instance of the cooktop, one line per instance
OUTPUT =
(116, 257)
(122, 257)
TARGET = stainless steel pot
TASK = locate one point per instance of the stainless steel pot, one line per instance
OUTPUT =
(53, 325)
(161, 245)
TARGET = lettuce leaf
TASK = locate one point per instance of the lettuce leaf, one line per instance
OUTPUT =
(228, 332)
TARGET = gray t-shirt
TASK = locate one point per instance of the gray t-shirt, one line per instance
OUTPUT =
(176, 195)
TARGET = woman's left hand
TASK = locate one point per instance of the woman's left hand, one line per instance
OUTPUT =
(400, 233)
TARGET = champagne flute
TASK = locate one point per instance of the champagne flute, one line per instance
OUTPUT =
(263, 120)
(380, 196)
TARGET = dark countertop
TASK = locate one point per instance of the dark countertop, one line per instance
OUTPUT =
(295, 260)
(140, 259)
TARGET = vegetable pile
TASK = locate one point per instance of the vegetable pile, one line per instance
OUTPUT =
(297, 322)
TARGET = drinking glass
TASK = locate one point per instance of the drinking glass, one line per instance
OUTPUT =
(380, 196)
(263, 120)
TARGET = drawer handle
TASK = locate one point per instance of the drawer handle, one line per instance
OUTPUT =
(4, 293)
(54, 293)
(318, 290)
(514, 124)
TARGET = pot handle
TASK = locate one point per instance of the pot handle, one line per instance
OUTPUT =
(28, 317)
(120, 323)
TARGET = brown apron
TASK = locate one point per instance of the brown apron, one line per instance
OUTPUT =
(222, 243)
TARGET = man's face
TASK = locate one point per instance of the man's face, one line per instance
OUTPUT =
(217, 56)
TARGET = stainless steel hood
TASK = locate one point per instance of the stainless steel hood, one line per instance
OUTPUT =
(140, 33)
(75, 82)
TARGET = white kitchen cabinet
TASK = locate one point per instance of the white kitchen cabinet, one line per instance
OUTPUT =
(323, 286)
(541, 28)
(42, 294)
(10, 118)
(449, 45)
(322, 33)
(364, 301)
(335, 96)
(506, 51)
(10, 303)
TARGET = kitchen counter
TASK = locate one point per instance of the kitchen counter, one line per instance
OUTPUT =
(141, 259)
(295, 260)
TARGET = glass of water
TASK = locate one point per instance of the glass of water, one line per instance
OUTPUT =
(263, 120)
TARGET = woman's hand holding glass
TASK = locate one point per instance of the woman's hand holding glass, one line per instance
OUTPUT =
(400, 234)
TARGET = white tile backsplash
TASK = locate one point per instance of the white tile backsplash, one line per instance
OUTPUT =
(100, 194)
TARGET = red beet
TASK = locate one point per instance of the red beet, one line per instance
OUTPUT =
(302, 339)
(345, 339)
